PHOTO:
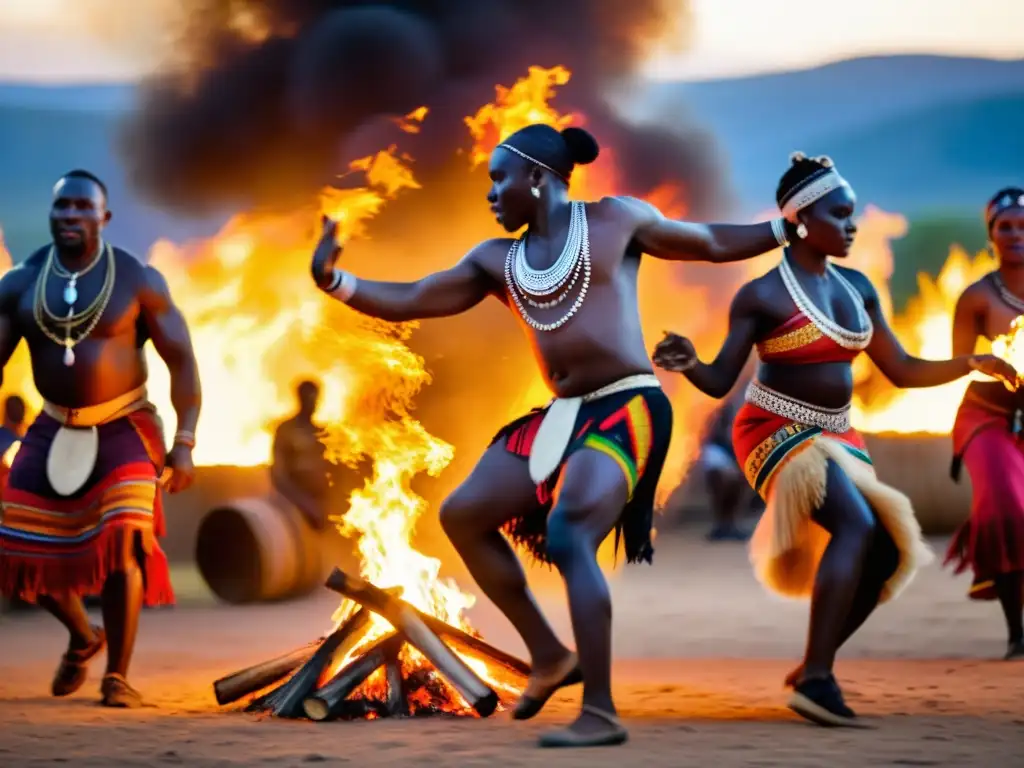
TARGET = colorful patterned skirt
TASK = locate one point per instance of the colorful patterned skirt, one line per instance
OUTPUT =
(52, 544)
(786, 462)
(991, 542)
(633, 428)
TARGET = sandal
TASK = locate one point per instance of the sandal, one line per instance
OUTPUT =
(117, 693)
(540, 688)
(567, 737)
(74, 665)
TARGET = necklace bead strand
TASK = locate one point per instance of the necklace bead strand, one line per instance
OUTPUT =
(854, 340)
(524, 282)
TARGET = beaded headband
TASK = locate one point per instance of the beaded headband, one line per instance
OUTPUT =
(1003, 203)
(534, 160)
(813, 188)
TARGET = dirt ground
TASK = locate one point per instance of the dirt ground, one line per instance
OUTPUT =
(700, 655)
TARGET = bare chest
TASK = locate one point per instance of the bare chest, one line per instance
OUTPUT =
(97, 305)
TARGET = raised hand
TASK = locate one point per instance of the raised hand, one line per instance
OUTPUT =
(675, 353)
(326, 254)
(997, 368)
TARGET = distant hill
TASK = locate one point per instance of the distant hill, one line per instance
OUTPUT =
(759, 120)
(42, 142)
(912, 132)
(939, 156)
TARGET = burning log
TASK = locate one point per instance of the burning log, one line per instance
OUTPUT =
(347, 586)
(286, 700)
(240, 684)
(413, 685)
(230, 689)
(397, 703)
(329, 702)
(410, 623)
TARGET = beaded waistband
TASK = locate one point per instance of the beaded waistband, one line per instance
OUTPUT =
(835, 420)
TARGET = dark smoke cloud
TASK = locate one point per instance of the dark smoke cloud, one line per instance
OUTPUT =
(241, 118)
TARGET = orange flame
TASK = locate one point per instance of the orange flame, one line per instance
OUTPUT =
(525, 103)
(411, 122)
(925, 329)
(1010, 346)
(248, 301)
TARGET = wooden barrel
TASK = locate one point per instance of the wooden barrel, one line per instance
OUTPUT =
(918, 465)
(257, 549)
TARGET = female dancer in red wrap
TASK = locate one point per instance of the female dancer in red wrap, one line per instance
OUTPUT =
(986, 435)
(832, 531)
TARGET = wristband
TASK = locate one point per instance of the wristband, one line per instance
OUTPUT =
(185, 437)
(342, 286)
(779, 230)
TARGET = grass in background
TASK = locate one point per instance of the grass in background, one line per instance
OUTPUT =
(926, 247)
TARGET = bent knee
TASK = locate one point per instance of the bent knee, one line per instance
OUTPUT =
(576, 527)
(464, 514)
(884, 557)
(846, 512)
(565, 535)
(454, 515)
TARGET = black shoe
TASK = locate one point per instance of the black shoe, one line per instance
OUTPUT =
(1015, 650)
(821, 701)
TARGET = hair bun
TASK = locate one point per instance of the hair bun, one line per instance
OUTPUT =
(797, 157)
(583, 148)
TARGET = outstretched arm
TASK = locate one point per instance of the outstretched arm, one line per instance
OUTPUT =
(716, 379)
(441, 294)
(908, 372)
(169, 332)
(666, 238)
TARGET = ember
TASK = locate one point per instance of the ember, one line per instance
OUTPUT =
(357, 673)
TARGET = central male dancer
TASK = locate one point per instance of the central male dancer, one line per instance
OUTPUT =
(561, 478)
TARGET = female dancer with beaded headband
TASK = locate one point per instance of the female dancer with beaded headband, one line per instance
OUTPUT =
(832, 531)
(561, 478)
(987, 432)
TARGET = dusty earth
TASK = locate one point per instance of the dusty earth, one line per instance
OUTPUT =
(700, 655)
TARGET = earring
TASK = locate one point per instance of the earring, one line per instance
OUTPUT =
(801, 230)
(535, 191)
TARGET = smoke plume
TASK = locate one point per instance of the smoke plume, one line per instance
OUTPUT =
(261, 102)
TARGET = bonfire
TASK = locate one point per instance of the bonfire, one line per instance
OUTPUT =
(406, 648)
(385, 659)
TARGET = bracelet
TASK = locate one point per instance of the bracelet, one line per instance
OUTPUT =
(779, 230)
(185, 437)
(342, 286)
